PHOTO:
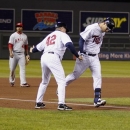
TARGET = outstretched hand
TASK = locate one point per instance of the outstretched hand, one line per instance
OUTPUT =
(31, 48)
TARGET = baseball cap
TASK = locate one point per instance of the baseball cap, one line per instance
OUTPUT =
(61, 24)
(19, 25)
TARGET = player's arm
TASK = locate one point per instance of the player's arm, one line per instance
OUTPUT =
(38, 48)
(71, 47)
(81, 43)
(26, 50)
(83, 37)
(33, 49)
(10, 47)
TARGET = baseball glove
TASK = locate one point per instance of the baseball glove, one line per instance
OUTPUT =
(27, 58)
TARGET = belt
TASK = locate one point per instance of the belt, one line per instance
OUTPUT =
(17, 52)
(92, 54)
(89, 54)
(51, 52)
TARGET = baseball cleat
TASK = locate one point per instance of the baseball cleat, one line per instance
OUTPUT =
(25, 85)
(99, 103)
(39, 105)
(64, 107)
(12, 84)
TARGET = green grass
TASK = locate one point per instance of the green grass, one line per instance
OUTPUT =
(110, 101)
(20, 119)
(63, 120)
(109, 68)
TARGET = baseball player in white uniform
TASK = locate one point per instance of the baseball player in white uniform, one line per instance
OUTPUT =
(89, 44)
(18, 48)
(53, 47)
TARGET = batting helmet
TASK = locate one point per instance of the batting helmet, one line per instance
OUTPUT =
(61, 24)
(110, 23)
(19, 25)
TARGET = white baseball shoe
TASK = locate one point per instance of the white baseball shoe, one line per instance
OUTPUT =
(25, 85)
(99, 103)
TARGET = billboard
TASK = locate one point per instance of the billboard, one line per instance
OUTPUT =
(121, 20)
(114, 56)
(44, 20)
(7, 21)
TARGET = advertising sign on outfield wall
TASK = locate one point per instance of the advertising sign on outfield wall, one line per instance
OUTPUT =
(120, 56)
(7, 19)
(114, 55)
(121, 20)
(44, 20)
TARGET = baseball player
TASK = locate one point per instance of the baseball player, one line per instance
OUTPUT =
(18, 48)
(53, 47)
(89, 44)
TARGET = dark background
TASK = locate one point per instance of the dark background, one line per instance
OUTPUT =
(112, 43)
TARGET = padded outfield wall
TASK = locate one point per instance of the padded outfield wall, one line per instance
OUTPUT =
(39, 16)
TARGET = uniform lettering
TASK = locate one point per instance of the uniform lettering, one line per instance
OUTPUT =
(51, 40)
(19, 39)
(96, 39)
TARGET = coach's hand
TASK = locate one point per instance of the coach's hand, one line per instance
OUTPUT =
(31, 48)
(80, 58)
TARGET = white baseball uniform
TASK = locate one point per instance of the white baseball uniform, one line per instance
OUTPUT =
(53, 47)
(93, 37)
(18, 41)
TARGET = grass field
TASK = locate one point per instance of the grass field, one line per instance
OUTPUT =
(21, 119)
(109, 68)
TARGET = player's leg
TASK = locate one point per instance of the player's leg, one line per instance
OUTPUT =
(23, 82)
(46, 74)
(12, 65)
(97, 82)
(59, 75)
(79, 68)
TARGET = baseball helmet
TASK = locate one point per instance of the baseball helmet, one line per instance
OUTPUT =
(110, 23)
(61, 24)
(19, 25)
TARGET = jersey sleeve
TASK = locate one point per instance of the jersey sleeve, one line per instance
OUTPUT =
(86, 33)
(11, 39)
(40, 46)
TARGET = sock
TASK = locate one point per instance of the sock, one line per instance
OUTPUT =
(97, 94)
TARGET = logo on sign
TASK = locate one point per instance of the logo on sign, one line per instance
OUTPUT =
(5, 20)
(45, 20)
(91, 20)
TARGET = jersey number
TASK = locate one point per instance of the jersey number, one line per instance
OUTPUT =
(96, 39)
(51, 40)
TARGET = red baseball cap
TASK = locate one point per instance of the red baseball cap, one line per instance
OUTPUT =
(19, 25)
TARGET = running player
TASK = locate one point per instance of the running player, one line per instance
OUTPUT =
(53, 47)
(89, 44)
(18, 48)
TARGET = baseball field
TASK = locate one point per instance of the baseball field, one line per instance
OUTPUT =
(17, 104)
